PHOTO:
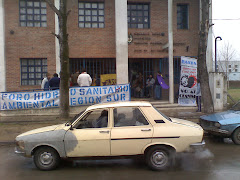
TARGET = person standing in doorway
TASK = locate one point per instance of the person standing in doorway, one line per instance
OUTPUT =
(45, 82)
(158, 88)
(74, 78)
(84, 79)
(198, 96)
(139, 85)
(149, 88)
(54, 82)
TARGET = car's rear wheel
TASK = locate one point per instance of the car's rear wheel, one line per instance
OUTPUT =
(159, 158)
(46, 158)
(236, 136)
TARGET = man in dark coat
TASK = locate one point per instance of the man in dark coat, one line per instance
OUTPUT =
(54, 82)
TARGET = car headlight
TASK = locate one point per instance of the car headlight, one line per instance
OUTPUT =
(218, 125)
(20, 144)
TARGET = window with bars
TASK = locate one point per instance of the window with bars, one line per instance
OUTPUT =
(138, 15)
(91, 14)
(182, 16)
(32, 13)
(33, 71)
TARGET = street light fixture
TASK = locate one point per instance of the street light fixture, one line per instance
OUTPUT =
(216, 52)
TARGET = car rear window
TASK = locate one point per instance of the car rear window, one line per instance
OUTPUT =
(163, 114)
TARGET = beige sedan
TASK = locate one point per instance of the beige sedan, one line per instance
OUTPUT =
(112, 130)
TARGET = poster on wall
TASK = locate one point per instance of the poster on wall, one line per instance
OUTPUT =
(108, 79)
(188, 82)
(78, 96)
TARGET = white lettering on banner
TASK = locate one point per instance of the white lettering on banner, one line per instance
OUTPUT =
(77, 96)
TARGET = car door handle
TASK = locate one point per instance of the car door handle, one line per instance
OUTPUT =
(145, 129)
(104, 132)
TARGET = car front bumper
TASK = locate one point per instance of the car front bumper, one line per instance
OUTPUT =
(200, 144)
(19, 151)
(197, 146)
(217, 132)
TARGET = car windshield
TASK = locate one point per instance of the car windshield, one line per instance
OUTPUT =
(236, 107)
(163, 114)
(75, 117)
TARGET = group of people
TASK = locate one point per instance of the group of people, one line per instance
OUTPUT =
(77, 79)
(50, 83)
(152, 85)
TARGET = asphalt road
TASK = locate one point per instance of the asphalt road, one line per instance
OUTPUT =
(220, 160)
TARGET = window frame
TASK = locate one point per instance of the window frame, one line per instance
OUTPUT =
(91, 15)
(229, 68)
(130, 11)
(181, 25)
(28, 79)
(86, 114)
(133, 108)
(33, 8)
(236, 68)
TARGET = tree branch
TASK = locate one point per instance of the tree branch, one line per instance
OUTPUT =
(51, 4)
(56, 35)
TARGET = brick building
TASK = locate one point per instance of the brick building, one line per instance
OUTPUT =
(29, 50)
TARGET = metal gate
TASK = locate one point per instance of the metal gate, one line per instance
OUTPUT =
(152, 66)
(94, 67)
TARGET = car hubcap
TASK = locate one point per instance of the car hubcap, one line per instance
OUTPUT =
(238, 136)
(46, 158)
(159, 158)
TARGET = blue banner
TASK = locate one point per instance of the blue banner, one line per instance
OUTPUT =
(77, 96)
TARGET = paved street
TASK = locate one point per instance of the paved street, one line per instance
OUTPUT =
(220, 160)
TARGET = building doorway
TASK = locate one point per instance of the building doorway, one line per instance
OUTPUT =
(145, 67)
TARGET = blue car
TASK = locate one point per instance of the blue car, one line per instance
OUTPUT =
(224, 124)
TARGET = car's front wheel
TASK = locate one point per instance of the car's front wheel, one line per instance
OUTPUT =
(46, 158)
(236, 136)
(159, 157)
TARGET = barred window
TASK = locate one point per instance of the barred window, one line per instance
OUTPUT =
(182, 16)
(91, 14)
(138, 15)
(32, 13)
(33, 71)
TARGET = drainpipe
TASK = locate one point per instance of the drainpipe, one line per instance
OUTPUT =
(57, 48)
(2, 48)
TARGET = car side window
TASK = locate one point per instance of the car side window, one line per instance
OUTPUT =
(129, 116)
(94, 119)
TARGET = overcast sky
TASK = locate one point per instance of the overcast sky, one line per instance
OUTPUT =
(228, 28)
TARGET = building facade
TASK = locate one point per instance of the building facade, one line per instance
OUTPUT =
(29, 49)
(230, 68)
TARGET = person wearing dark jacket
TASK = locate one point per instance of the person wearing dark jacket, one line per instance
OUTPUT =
(158, 88)
(54, 82)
